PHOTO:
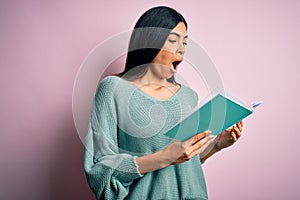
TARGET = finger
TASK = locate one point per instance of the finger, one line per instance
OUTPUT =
(194, 153)
(197, 137)
(239, 125)
(187, 157)
(199, 151)
(184, 157)
(200, 144)
(237, 131)
(234, 138)
(203, 140)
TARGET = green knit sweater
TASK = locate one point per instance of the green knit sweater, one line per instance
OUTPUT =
(125, 122)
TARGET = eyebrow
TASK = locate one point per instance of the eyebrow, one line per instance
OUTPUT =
(178, 34)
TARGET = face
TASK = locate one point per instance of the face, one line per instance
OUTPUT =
(171, 55)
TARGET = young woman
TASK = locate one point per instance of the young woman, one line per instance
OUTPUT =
(127, 155)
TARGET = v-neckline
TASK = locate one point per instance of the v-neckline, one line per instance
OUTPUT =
(151, 97)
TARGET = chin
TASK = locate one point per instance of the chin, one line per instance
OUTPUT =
(170, 76)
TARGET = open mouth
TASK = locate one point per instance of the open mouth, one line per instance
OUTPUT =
(175, 65)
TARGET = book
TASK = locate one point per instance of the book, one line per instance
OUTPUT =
(217, 112)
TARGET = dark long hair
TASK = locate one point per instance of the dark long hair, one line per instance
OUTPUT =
(148, 37)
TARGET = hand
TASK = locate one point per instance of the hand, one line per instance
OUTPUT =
(179, 152)
(229, 136)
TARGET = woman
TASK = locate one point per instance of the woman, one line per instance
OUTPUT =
(127, 156)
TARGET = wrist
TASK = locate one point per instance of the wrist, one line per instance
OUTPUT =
(161, 159)
(217, 147)
(151, 162)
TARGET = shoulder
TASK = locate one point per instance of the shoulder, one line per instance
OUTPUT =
(111, 79)
(107, 85)
(109, 82)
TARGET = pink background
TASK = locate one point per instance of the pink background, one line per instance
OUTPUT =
(254, 45)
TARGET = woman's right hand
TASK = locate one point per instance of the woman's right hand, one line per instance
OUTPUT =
(179, 152)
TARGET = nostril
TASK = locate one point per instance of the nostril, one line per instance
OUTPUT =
(180, 52)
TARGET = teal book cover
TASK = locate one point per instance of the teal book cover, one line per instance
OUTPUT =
(216, 113)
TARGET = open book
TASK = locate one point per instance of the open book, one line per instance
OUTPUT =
(217, 112)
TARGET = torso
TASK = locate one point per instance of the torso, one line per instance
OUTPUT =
(157, 91)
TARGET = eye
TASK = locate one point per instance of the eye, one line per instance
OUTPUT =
(185, 43)
(172, 41)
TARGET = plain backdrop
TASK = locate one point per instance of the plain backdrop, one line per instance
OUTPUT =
(253, 44)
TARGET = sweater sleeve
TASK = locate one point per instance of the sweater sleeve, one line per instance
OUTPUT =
(108, 172)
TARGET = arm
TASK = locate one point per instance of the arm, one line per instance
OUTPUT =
(109, 173)
(175, 153)
(151, 162)
(224, 140)
(212, 151)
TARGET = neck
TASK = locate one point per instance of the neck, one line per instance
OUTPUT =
(153, 78)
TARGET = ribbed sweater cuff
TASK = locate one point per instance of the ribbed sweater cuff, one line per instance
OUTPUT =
(128, 171)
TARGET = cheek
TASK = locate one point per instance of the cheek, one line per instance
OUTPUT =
(167, 55)
(170, 47)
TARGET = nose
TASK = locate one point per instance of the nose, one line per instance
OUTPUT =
(181, 50)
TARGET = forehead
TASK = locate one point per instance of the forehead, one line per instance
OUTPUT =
(179, 30)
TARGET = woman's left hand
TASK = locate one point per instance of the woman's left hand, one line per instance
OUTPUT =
(229, 136)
